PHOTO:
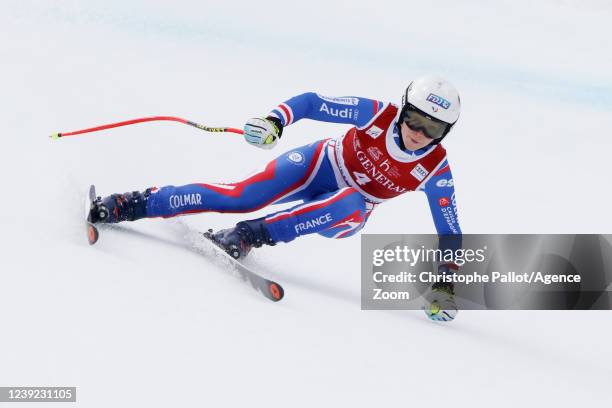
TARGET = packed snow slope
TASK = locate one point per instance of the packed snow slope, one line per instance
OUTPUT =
(144, 319)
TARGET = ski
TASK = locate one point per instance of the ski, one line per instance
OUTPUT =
(92, 231)
(270, 289)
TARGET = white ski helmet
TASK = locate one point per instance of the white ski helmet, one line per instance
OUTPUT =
(435, 98)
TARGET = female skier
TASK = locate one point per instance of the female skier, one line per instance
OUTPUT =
(337, 183)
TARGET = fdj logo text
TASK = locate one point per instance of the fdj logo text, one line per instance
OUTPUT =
(438, 100)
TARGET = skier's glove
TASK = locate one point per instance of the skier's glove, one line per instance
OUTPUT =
(440, 301)
(263, 133)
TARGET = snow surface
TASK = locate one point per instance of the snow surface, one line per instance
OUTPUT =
(142, 319)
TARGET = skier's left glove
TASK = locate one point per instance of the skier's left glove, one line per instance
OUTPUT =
(440, 301)
(263, 133)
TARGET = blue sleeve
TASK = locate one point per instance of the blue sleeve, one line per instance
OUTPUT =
(440, 191)
(346, 109)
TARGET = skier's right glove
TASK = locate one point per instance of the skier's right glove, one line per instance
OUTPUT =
(263, 133)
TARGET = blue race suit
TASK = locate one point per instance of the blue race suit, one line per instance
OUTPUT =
(308, 176)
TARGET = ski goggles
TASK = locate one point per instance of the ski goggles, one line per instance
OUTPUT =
(431, 127)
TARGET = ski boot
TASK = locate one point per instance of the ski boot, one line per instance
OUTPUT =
(239, 241)
(119, 207)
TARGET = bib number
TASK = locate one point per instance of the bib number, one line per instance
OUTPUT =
(361, 178)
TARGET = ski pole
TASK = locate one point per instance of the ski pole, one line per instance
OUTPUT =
(148, 119)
